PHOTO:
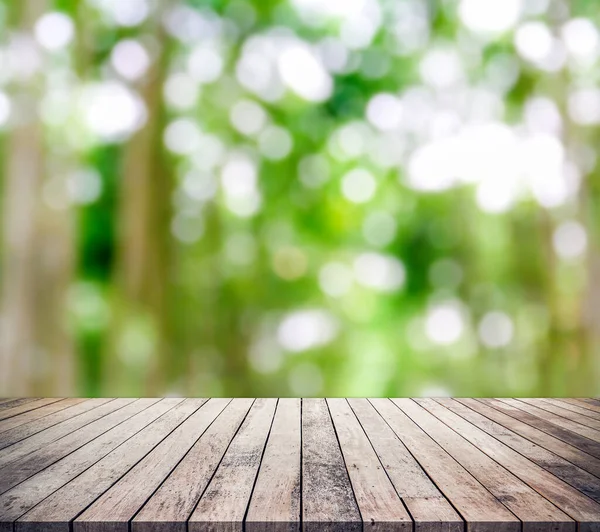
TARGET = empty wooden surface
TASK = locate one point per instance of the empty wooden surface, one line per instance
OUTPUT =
(268, 465)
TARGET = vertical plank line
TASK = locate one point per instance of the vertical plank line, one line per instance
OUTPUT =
(134, 465)
(301, 468)
(259, 465)
(383, 465)
(362, 524)
(130, 522)
(187, 526)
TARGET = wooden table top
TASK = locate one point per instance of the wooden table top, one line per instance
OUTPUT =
(428, 465)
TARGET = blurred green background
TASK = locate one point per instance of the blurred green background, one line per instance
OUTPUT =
(299, 197)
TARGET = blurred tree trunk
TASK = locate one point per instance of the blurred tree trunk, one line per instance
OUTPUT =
(55, 266)
(22, 178)
(140, 346)
(36, 351)
(590, 335)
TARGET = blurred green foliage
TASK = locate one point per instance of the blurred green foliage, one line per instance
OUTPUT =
(301, 197)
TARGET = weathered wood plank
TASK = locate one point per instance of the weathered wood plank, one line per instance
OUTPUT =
(563, 411)
(328, 503)
(379, 505)
(479, 508)
(10, 403)
(175, 465)
(565, 435)
(26, 407)
(56, 512)
(534, 511)
(585, 482)
(567, 404)
(583, 403)
(541, 438)
(38, 413)
(115, 508)
(23, 497)
(429, 509)
(589, 403)
(18, 434)
(275, 502)
(579, 507)
(170, 507)
(46, 437)
(224, 503)
(19, 470)
(555, 419)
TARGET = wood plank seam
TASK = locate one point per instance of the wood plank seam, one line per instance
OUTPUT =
(429, 510)
(262, 456)
(225, 503)
(460, 512)
(382, 465)
(538, 437)
(561, 412)
(499, 465)
(427, 474)
(26, 523)
(547, 485)
(34, 415)
(198, 468)
(18, 434)
(577, 440)
(555, 419)
(178, 462)
(89, 466)
(301, 468)
(27, 407)
(212, 476)
(337, 438)
(105, 409)
(75, 446)
(25, 455)
(565, 470)
(77, 521)
(522, 500)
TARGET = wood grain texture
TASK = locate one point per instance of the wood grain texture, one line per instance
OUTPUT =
(70, 414)
(115, 508)
(10, 403)
(533, 510)
(38, 413)
(479, 508)
(57, 511)
(579, 507)
(574, 406)
(580, 479)
(379, 505)
(19, 470)
(560, 448)
(328, 503)
(170, 507)
(291, 465)
(223, 505)
(275, 503)
(581, 442)
(587, 403)
(555, 419)
(26, 407)
(428, 508)
(563, 410)
(20, 499)
(44, 438)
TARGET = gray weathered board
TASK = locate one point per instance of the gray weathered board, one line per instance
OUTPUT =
(275, 465)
